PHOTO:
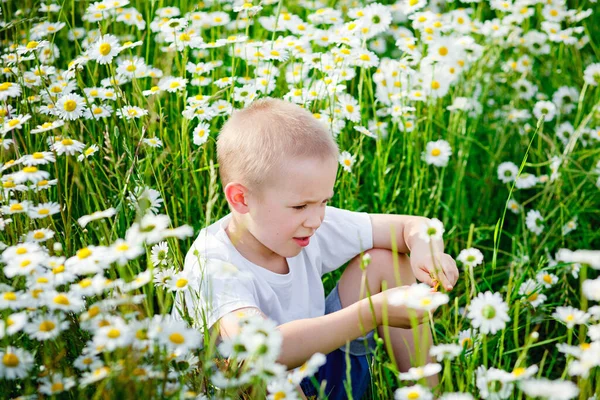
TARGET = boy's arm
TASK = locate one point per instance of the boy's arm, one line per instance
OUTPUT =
(427, 258)
(304, 337)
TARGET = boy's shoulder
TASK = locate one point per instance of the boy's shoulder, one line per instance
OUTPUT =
(211, 243)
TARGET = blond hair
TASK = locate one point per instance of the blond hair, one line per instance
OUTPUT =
(255, 141)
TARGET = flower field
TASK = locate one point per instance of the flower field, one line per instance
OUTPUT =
(484, 115)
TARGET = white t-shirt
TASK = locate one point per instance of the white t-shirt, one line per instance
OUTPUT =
(282, 297)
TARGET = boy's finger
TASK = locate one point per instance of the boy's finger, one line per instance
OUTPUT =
(444, 280)
(423, 276)
(454, 269)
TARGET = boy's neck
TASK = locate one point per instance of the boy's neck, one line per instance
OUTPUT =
(253, 250)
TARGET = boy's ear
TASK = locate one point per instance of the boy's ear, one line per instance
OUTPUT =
(236, 197)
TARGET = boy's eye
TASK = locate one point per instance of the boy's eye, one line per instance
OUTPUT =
(302, 207)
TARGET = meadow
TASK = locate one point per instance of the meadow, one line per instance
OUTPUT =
(484, 115)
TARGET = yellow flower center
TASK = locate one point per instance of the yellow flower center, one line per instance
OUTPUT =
(114, 333)
(43, 211)
(58, 270)
(436, 152)
(518, 371)
(123, 247)
(57, 387)
(47, 326)
(443, 51)
(10, 360)
(37, 155)
(181, 282)
(105, 49)
(70, 105)
(176, 338)
(30, 170)
(10, 296)
(364, 57)
(84, 253)
(435, 85)
(62, 300)
(16, 207)
(413, 394)
(14, 122)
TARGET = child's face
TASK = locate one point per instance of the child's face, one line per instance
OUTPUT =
(292, 206)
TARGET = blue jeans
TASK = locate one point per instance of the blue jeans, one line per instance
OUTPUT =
(334, 369)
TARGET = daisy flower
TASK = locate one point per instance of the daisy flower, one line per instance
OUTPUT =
(550, 390)
(159, 254)
(432, 229)
(97, 111)
(488, 312)
(43, 210)
(177, 337)
(591, 75)
(70, 106)
(365, 132)
(153, 142)
(569, 226)
(470, 257)
(151, 91)
(507, 171)
(104, 49)
(347, 160)
(530, 292)
(172, 84)
(16, 363)
(534, 221)
(39, 235)
(546, 109)
(56, 383)
(456, 396)
(95, 375)
(547, 279)
(445, 351)
(31, 174)
(364, 58)
(181, 281)
(416, 373)
(201, 133)
(38, 158)
(15, 123)
(63, 301)
(16, 322)
(67, 146)
(84, 220)
(349, 106)
(131, 112)
(520, 373)
(163, 276)
(114, 335)
(413, 392)
(437, 153)
(591, 290)
(281, 388)
(526, 181)
(16, 207)
(571, 316)
(90, 151)
(46, 326)
(494, 383)
(9, 89)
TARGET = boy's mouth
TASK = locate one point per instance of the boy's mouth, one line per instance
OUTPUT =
(302, 241)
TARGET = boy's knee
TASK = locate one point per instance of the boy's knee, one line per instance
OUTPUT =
(382, 262)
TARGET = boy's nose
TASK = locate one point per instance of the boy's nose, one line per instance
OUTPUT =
(314, 221)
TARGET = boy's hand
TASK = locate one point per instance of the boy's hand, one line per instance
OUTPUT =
(434, 268)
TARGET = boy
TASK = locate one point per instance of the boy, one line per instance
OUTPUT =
(278, 166)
